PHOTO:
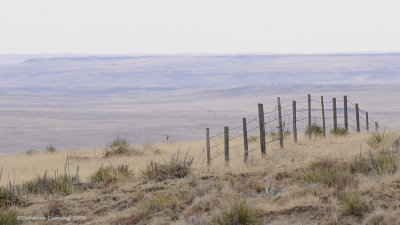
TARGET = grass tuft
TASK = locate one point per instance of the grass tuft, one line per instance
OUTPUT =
(378, 164)
(63, 185)
(352, 203)
(377, 140)
(120, 146)
(174, 168)
(240, 212)
(110, 174)
(9, 217)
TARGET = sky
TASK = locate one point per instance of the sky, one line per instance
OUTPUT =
(198, 27)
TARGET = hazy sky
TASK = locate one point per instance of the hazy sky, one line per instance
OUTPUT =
(201, 26)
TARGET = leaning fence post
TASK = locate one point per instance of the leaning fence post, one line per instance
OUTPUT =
(208, 146)
(294, 122)
(323, 116)
(367, 121)
(309, 116)
(245, 140)
(335, 127)
(358, 118)
(226, 144)
(376, 126)
(346, 121)
(262, 128)
(280, 123)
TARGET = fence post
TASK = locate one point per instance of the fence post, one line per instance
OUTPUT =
(226, 144)
(208, 146)
(294, 122)
(262, 128)
(376, 126)
(309, 117)
(358, 118)
(323, 116)
(334, 115)
(245, 140)
(346, 121)
(367, 121)
(280, 123)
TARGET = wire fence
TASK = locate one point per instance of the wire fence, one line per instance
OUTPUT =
(292, 118)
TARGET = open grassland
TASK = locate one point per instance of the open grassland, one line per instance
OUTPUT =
(349, 179)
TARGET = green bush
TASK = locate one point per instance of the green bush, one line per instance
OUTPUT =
(9, 217)
(240, 212)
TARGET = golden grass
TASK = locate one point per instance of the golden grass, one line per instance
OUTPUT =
(27, 166)
(272, 185)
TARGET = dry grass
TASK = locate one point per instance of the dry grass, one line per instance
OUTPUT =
(336, 182)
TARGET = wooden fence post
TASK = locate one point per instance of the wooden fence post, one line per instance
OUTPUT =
(280, 122)
(294, 122)
(208, 146)
(262, 128)
(358, 118)
(346, 121)
(376, 126)
(226, 144)
(309, 117)
(367, 121)
(323, 116)
(245, 140)
(335, 127)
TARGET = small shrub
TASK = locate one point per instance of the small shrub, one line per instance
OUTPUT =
(9, 198)
(118, 146)
(240, 212)
(352, 203)
(174, 168)
(377, 140)
(9, 217)
(110, 174)
(340, 131)
(51, 149)
(316, 130)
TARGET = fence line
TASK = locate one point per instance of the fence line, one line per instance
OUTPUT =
(285, 117)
